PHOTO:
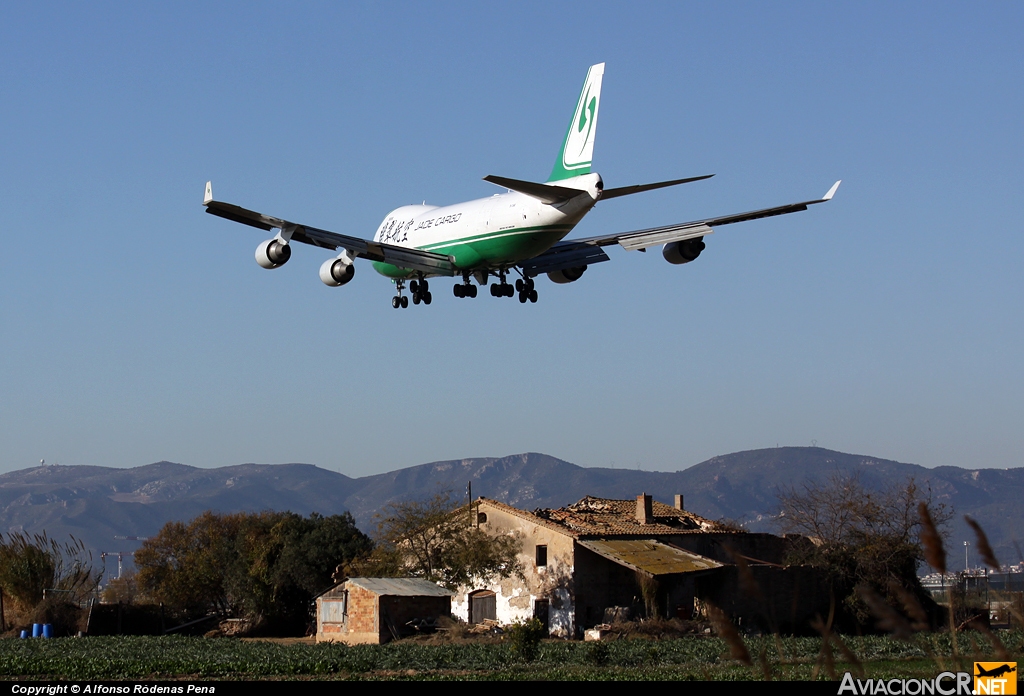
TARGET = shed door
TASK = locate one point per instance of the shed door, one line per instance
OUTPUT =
(482, 605)
(332, 611)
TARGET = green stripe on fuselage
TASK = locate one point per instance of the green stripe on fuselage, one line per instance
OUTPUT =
(490, 250)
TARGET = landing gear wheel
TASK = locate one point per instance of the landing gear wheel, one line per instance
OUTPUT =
(533, 296)
(519, 284)
(414, 287)
(494, 291)
(523, 297)
(405, 302)
(427, 297)
(415, 298)
(472, 290)
(459, 290)
(395, 302)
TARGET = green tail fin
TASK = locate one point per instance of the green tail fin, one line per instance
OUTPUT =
(578, 148)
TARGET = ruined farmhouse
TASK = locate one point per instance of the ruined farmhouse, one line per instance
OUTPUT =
(601, 559)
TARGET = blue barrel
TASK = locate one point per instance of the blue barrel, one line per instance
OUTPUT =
(47, 630)
(24, 633)
(37, 630)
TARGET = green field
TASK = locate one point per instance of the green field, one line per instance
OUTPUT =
(702, 658)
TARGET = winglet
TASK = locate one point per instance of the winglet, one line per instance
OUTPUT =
(828, 196)
(208, 196)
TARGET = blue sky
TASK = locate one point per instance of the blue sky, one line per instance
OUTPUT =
(135, 328)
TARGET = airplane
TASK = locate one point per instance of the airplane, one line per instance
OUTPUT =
(995, 671)
(521, 231)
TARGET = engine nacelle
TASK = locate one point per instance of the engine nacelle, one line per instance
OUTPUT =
(338, 271)
(273, 253)
(567, 275)
(682, 252)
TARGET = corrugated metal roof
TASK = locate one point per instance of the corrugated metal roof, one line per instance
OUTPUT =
(401, 587)
(650, 556)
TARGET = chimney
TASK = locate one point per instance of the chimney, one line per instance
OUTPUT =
(679, 501)
(644, 509)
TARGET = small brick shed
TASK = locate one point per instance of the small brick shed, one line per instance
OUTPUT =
(375, 610)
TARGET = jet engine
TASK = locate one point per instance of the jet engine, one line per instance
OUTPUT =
(273, 253)
(683, 252)
(567, 275)
(338, 271)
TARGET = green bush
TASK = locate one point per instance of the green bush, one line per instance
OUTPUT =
(598, 653)
(524, 639)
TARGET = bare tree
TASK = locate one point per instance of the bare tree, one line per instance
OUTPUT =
(841, 511)
(435, 540)
(861, 537)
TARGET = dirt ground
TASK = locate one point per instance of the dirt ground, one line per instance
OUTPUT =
(308, 640)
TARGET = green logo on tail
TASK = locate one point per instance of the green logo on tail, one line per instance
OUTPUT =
(578, 147)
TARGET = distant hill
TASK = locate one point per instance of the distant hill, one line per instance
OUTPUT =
(98, 503)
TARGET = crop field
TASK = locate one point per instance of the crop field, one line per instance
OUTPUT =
(701, 658)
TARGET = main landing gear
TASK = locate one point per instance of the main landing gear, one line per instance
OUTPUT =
(465, 288)
(502, 289)
(526, 290)
(420, 291)
(524, 286)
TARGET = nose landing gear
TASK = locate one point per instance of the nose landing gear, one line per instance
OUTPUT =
(400, 301)
(418, 288)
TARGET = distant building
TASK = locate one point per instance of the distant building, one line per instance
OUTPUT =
(377, 610)
(601, 559)
(976, 579)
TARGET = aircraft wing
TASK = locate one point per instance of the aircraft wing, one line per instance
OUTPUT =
(403, 257)
(576, 252)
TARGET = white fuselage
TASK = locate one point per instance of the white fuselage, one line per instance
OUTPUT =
(493, 232)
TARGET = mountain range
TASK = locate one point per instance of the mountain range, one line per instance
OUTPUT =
(99, 504)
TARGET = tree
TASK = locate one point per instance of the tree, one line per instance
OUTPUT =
(262, 566)
(185, 565)
(436, 539)
(122, 590)
(861, 538)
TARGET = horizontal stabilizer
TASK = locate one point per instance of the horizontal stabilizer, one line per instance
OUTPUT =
(628, 190)
(543, 192)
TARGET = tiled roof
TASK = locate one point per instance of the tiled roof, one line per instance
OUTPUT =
(525, 515)
(604, 516)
